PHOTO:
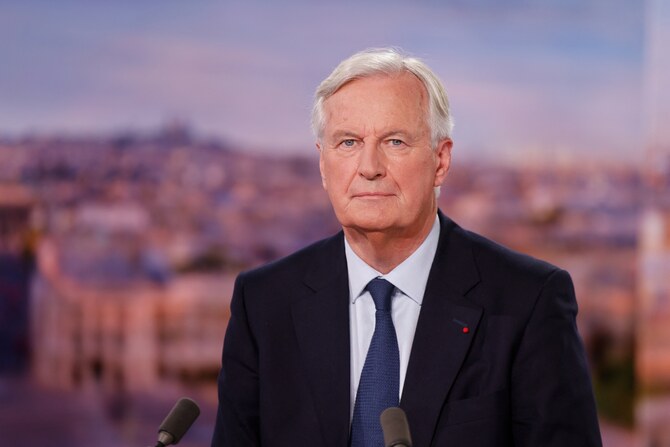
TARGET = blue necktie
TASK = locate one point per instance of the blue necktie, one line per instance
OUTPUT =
(380, 379)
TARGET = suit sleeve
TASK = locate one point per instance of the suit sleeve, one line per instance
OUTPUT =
(237, 421)
(552, 396)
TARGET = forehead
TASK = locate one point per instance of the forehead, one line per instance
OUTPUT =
(377, 100)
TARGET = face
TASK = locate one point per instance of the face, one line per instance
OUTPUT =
(376, 159)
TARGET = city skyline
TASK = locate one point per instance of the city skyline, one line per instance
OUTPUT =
(562, 78)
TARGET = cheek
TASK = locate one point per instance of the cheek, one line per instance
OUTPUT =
(336, 174)
(416, 179)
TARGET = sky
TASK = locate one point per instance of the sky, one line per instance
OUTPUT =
(560, 78)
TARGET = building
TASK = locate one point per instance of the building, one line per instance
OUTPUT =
(653, 313)
(125, 337)
(16, 245)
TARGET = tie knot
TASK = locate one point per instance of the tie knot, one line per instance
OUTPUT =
(381, 291)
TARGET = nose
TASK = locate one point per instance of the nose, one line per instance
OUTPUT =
(372, 162)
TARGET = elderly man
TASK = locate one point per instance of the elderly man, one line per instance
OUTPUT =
(476, 343)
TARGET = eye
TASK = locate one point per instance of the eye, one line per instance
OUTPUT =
(348, 142)
(396, 142)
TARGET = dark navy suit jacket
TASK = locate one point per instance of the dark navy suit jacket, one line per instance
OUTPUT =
(517, 376)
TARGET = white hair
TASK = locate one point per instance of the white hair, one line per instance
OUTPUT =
(388, 61)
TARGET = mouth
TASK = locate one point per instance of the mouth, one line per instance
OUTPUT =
(371, 195)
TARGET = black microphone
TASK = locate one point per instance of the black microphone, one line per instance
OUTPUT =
(395, 428)
(177, 422)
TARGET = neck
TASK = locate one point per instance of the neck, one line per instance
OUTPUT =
(385, 250)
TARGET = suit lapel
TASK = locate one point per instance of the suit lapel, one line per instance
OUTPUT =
(321, 322)
(440, 342)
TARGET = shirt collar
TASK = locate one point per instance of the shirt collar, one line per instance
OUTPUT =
(410, 276)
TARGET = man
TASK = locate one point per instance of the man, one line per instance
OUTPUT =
(476, 343)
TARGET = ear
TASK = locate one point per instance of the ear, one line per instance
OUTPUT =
(443, 155)
(321, 168)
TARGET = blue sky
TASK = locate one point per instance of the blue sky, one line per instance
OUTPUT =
(524, 77)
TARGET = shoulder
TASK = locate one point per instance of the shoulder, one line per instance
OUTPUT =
(326, 253)
(494, 256)
(501, 280)
(495, 266)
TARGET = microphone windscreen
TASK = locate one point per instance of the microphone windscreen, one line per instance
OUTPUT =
(395, 428)
(180, 418)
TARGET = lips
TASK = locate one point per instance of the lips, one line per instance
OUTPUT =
(371, 195)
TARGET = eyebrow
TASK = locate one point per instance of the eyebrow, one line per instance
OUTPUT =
(394, 132)
(344, 133)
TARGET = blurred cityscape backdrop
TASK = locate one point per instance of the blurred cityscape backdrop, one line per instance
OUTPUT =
(149, 152)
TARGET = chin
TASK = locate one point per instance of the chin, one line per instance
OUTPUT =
(367, 224)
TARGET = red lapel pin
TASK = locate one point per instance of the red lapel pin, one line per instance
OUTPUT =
(465, 329)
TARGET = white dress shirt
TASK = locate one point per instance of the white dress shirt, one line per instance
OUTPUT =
(409, 278)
